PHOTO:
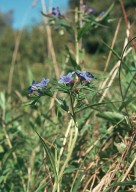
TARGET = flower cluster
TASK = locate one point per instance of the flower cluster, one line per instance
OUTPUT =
(56, 12)
(38, 86)
(82, 76)
(53, 20)
(70, 79)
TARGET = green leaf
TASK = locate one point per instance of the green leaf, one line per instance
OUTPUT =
(106, 14)
(127, 102)
(63, 86)
(47, 91)
(7, 155)
(124, 183)
(92, 105)
(14, 119)
(108, 115)
(63, 23)
(41, 188)
(1, 149)
(72, 60)
(26, 103)
(84, 29)
(64, 106)
(58, 143)
(47, 15)
(113, 51)
(81, 95)
(49, 154)
(34, 102)
(70, 169)
(2, 100)
(30, 76)
(2, 178)
(77, 183)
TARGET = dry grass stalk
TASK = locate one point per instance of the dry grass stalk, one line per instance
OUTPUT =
(51, 50)
(109, 80)
(112, 45)
(112, 173)
(88, 182)
(131, 36)
(14, 57)
(127, 172)
(106, 180)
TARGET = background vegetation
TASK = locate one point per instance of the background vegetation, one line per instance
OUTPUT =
(104, 156)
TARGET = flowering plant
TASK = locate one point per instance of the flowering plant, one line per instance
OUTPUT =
(73, 84)
(71, 93)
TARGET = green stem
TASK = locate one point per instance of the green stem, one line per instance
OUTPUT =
(68, 128)
(72, 107)
(65, 140)
(57, 183)
(69, 154)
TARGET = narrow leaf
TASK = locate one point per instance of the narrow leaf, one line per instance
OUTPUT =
(109, 115)
(49, 154)
(125, 183)
(77, 183)
(84, 29)
(93, 105)
(126, 103)
(72, 60)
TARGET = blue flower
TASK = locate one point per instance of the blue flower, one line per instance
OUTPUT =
(66, 79)
(56, 12)
(84, 76)
(37, 86)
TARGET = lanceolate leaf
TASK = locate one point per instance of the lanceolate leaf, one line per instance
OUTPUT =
(106, 14)
(127, 102)
(109, 115)
(63, 86)
(77, 183)
(49, 154)
(48, 92)
(84, 29)
(92, 105)
(124, 183)
(72, 60)
(64, 106)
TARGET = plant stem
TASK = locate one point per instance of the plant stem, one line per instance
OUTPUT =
(67, 159)
(72, 107)
(65, 139)
(69, 154)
